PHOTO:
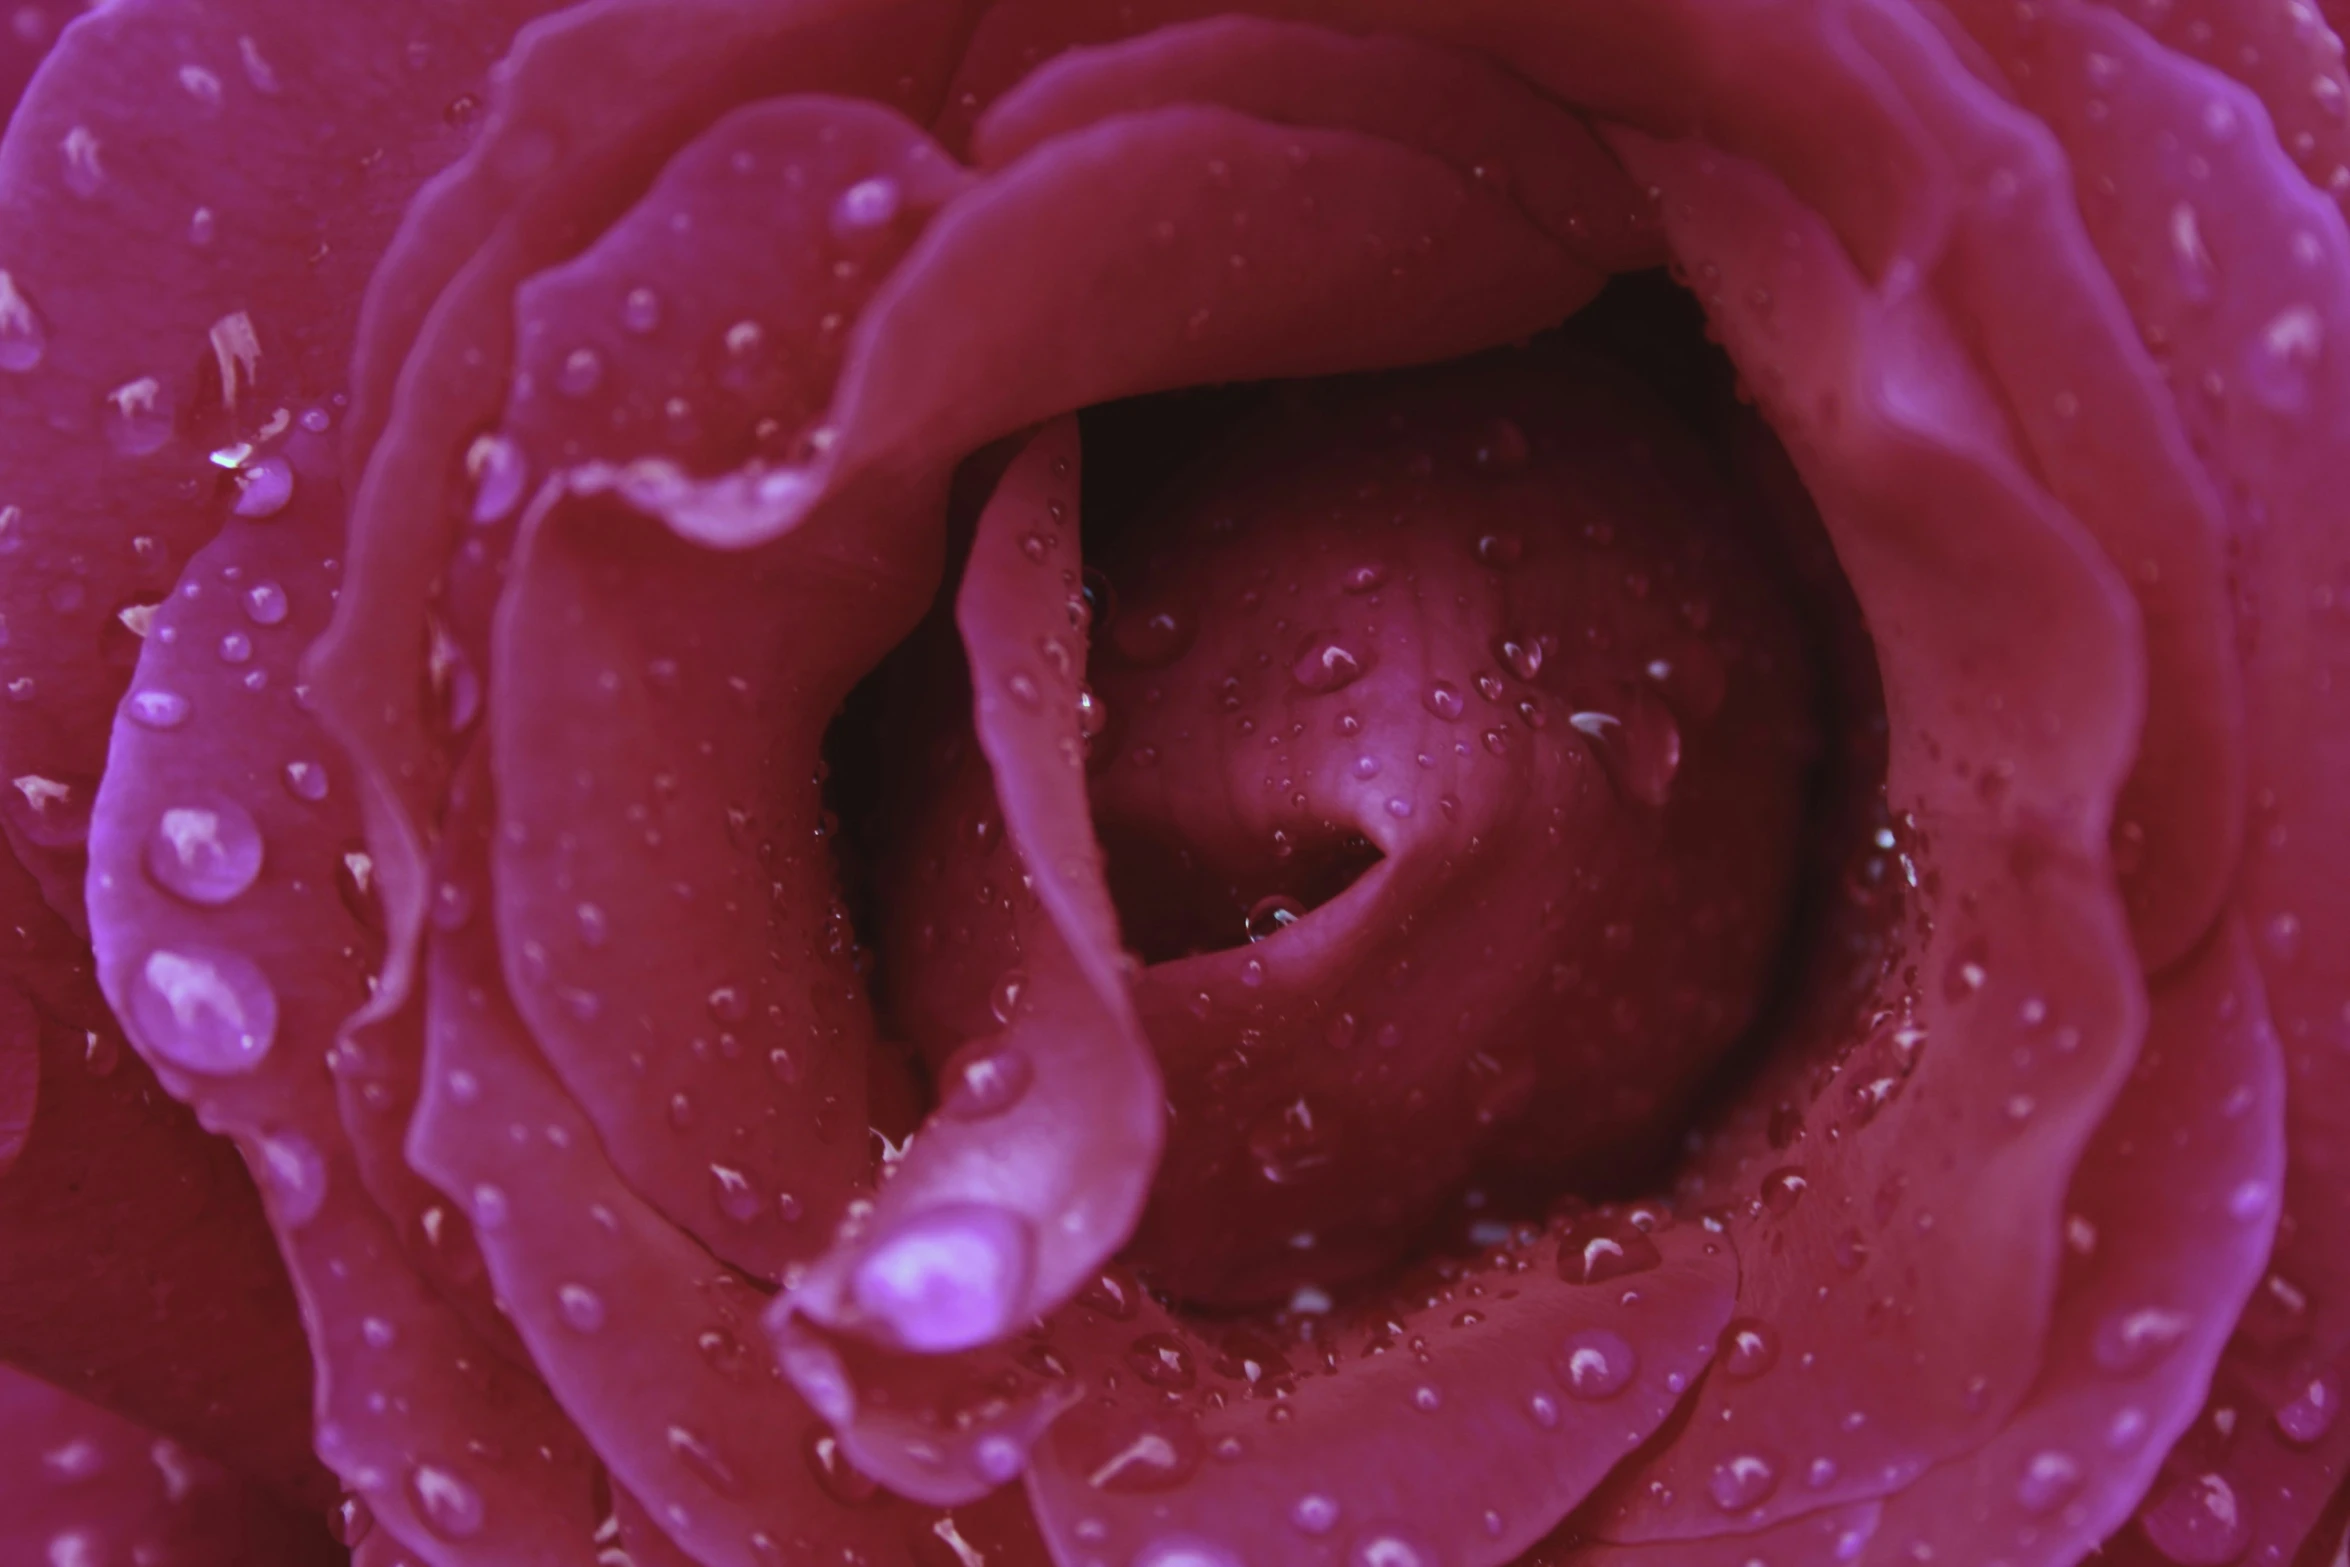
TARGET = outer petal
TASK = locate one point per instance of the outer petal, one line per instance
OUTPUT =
(81, 1486)
(1927, 1334)
(135, 1264)
(2241, 272)
(252, 159)
(216, 914)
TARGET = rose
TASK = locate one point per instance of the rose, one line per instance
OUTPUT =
(2039, 308)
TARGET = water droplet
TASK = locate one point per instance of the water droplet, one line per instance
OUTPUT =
(1741, 1481)
(2049, 1480)
(1153, 638)
(24, 336)
(85, 171)
(640, 310)
(1596, 1364)
(1093, 714)
(1162, 1360)
(1443, 698)
(841, 1480)
(697, 1455)
(1004, 1000)
(581, 373)
(1595, 1249)
(205, 1011)
(263, 490)
(1365, 578)
(499, 471)
(1543, 1410)
(985, 1079)
(490, 1208)
(2196, 1520)
(2312, 1411)
(1115, 1295)
(1641, 748)
(206, 854)
(294, 1173)
(350, 1521)
(1500, 551)
(236, 648)
(1291, 1142)
(1388, 1549)
(265, 604)
(1314, 1514)
(1024, 689)
(449, 1507)
(949, 1278)
(2129, 1341)
(1269, 915)
(1326, 664)
(582, 1308)
(2283, 358)
(1185, 1550)
(138, 417)
(1749, 1347)
(736, 1197)
(157, 709)
(1523, 655)
(866, 208)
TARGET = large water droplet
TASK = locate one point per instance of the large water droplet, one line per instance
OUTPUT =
(1595, 1249)
(2282, 360)
(736, 1197)
(581, 1308)
(2049, 1480)
(866, 209)
(1523, 655)
(1596, 1364)
(704, 1461)
(1741, 1481)
(206, 1011)
(449, 1506)
(264, 489)
(2129, 1341)
(138, 417)
(985, 1079)
(1271, 915)
(1444, 699)
(24, 336)
(206, 854)
(1640, 747)
(155, 708)
(2312, 1410)
(1749, 1347)
(1314, 1514)
(294, 1174)
(2196, 1520)
(950, 1278)
(499, 471)
(306, 781)
(1326, 664)
(1185, 1550)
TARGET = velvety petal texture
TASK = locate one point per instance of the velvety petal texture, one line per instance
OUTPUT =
(990, 782)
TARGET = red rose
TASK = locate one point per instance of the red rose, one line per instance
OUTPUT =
(871, 749)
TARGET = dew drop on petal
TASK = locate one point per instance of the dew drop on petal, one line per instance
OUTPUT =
(1596, 1363)
(948, 1278)
(1314, 1514)
(582, 1308)
(448, 1506)
(2049, 1480)
(24, 336)
(2129, 1341)
(985, 1079)
(293, 1172)
(1749, 1347)
(2196, 1520)
(1741, 1481)
(1326, 664)
(263, 490)
(265, 604)
(157, 709)
(205, 854)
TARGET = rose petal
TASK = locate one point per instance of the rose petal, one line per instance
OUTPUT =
(135, 1266)
(706, 680)
(2169, 1223)
(1961, 568)
(1484, 123)
(221, 934)
(574, 140)
(185, 251)
(1833, 1534)
(987, 1222)
(2225, 255)
(79, 1487)
(648, 1343)
(1110, 243)
(1455, 1422)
